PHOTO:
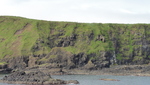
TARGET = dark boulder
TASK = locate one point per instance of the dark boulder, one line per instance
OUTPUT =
(4, 69)
(7, 70)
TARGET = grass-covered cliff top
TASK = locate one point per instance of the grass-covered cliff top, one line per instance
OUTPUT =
(27, 37)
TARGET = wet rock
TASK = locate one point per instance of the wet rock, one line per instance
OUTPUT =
(72, 82)
(109, 79)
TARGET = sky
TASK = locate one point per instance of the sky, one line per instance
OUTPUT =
(88, 11)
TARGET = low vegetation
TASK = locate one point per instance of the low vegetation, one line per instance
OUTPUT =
(27, 37)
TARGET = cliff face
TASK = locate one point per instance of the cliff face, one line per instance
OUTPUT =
(29, 43)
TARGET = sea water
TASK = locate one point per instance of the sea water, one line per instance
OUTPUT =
(95, 79)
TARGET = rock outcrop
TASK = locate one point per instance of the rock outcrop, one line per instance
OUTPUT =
(4, 68)
(34, 78)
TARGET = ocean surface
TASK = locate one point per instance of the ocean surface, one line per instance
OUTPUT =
(95, 79)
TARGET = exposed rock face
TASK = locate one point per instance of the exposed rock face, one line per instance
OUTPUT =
(18, 62)
(4, 68)
(7, 70)
(37, 78)
(137, 70)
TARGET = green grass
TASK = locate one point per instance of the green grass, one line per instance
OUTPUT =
(72, 49)
(119, 57)
(137, 58)
(46, 59)
(3, 63)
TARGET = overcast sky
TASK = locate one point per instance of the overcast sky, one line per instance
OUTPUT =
(99, 11)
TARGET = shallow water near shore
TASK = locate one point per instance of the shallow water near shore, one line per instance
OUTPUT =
(95, 79)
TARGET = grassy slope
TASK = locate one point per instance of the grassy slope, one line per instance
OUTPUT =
(19, 35)
(16, 38)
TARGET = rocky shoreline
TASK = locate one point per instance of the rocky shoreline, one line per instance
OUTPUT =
(136, 70)
(34, 78)
(132, 70)
(42, 75)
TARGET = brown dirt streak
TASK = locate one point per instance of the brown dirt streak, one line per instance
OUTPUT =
(17, 43)
(15, 47)
(26, 27)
